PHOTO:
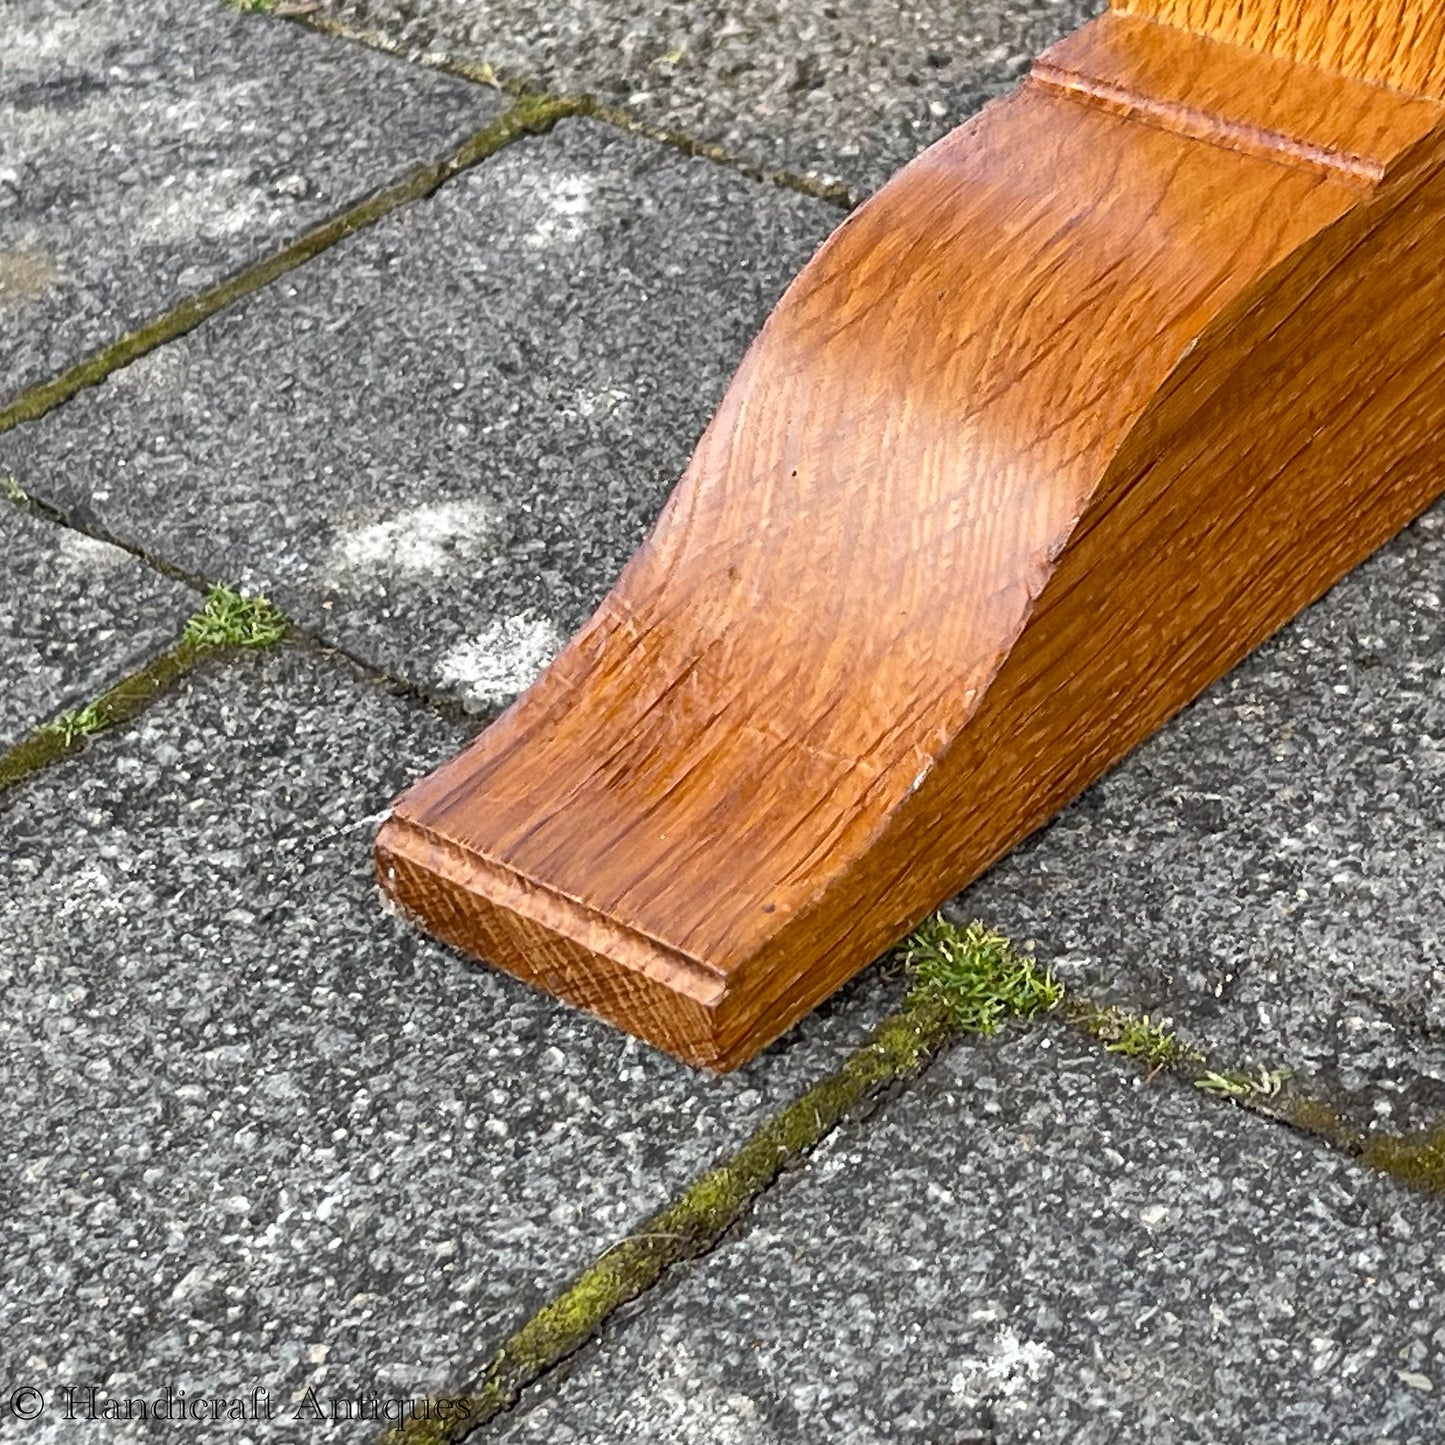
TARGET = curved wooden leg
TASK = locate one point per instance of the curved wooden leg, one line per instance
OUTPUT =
(1091, 398)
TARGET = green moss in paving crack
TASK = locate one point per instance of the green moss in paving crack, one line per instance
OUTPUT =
(54, 740)
(1241, 1084)
(1134, 1036)
(527, 117)
(898, 1047)
(1314, 1116)
(230, 619)
(968, 980)
(483, 73)
(225, 619)
(71, 726)
(1414, 1159)
(976, 976)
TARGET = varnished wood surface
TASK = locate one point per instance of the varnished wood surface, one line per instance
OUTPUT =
(1294, 114)
(1092, 397)
(1397, 43)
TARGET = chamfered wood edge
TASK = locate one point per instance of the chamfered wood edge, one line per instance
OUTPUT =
(554, 942)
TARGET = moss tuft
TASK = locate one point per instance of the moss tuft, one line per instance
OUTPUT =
(1239, 1084)
(976, 977)
(71, 726)
(229, 618)
(1134, 1036)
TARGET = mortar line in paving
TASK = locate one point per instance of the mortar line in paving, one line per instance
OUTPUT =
(63, 736)
(895, 1055)
(400, 687)
(225, 624)
(480, 73)
(529, 116)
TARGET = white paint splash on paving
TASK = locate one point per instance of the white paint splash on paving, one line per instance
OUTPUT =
(1010, 1366)
(422, 542)
(684, 1404)
(501, 660)
(564, 202)
(34, 42)
(606, 401)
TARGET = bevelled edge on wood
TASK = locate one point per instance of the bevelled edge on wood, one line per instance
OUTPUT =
(555, 942)
(1257, 104)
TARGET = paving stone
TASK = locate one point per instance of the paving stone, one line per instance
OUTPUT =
(439, 446)
(150, 148)
(76, 615)
(846, 92)
(1269, 870)
(1034, 1245)
(259, 1133)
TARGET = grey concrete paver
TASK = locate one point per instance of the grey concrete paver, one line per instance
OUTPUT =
(258, 1133)
(76, 616)
(846, 92)
(150, 149)
(438, 444)
(1269, 870)
(1033, 1245)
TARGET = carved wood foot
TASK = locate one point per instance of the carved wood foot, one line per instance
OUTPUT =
(1089, 400)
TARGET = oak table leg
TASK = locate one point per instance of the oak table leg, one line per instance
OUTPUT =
(1089, 400)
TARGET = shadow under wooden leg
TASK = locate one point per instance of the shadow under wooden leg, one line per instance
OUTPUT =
(1091, 398)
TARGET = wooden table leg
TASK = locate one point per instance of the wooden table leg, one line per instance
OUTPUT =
(1090, 399)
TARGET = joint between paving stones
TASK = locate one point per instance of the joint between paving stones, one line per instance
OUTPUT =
(528, 116)
(899, 1048)
(968, 981)
(400, 687)
(521, 89)
(225, 624)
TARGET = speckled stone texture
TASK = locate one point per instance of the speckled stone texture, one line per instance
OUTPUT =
(438, 445)
(1269, 870)
(151, 147)
(75, 616)
(841, 91)
(1032, 1245)
(255, 1131)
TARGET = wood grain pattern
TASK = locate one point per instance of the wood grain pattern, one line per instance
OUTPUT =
(1093, 396)
(1397, 43)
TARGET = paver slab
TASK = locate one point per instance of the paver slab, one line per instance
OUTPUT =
(76, 616)
(256, 1132)
(846, 92)
(1033, 1245)
(152, 147)
(439, 443)
(1269, 870)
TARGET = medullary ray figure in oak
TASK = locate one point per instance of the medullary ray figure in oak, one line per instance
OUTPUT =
(1095, 395)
